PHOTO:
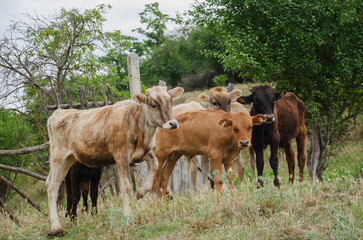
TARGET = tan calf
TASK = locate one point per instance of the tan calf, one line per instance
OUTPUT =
(217, 134)
(220, 99)
(121, 134)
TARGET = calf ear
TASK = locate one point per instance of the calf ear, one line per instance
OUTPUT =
(140, 98)
(258, 119)
(280, 94)
(245, 99)
(235, 94)
(203, 98)
(225, 122)
(175, 92)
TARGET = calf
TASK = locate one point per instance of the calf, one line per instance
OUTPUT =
(220, 99)
(284, 121)
(82, 179)
(120, 133)
(217, 134)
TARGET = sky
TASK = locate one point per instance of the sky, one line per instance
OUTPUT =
(123, 16)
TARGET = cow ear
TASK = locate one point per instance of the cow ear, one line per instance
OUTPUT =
(235, 94)
(203, 98)
(225, 122)
(140, 98)
(258, 119)
(280, 94)
(175, 92)
(245, 99)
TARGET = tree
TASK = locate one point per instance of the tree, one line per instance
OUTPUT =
(311, 48)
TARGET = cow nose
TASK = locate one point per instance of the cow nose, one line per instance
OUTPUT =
(173, 124)
(244, 143)
(270, 118)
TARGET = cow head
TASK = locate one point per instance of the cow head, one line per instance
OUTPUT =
(263, 99)
(219, 98)
(242, 124)
(157, 102)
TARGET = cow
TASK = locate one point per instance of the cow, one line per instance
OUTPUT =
(80, 180)
(217, 134)
(285, 115)
(119, 134)
(220, 99)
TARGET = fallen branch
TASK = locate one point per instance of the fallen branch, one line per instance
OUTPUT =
(106, 184)
(11, 214)
(21, 170)
(16, 189)
(25, 150)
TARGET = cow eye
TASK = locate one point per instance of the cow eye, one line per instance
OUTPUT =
(249, 128)
(153, 105)
(214, 103)
(235, 130)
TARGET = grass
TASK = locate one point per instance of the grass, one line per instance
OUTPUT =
(332, 209)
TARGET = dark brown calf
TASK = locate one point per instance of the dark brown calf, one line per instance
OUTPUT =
(284, 121)
(81, 179)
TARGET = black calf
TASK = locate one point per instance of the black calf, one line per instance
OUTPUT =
(81, 178)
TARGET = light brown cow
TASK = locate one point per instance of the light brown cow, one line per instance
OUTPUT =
(120, 133)
(220, 99)
(217, 134)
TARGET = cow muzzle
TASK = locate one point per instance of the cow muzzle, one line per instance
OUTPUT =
(172, 124)
(244, 143)
(270, 118)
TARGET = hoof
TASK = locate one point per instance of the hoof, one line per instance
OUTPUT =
(56, 233)
(139, 195)
(260, 183)
(277, 183)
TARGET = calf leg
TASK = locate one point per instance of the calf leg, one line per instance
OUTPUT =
(290, 158)
(260, 163)
(76, 194)
(193, 165)
(58, 170)
(125, 185)
(167, 170)
(148, 183)
(84, 191)
(216, 163)
(239, 165)
(300, 141)
(274, 162)
(157, 177)
(95, 179)
(229, 167)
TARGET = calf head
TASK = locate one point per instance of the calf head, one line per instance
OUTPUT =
(242, 125)
(219, 98)
(157, 102)
(263, 99)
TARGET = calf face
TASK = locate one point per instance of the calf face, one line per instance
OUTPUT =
(157, 103)
(242, 125)
(219, 98)
(263, 99)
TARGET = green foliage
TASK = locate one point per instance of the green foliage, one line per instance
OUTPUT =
(220, 80)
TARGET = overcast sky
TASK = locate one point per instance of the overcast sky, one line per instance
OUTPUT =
(123, 16)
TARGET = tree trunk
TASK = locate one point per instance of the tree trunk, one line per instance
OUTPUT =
(313, 153)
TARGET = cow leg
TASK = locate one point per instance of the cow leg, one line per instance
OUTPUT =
(167, 170)
(230, 169)
(251, 151)
(69, 194)
(300, 142)
(290, 158)
(124, 182)
(58, 170)
(239, 165)
(84, 191)
(216, 163)
(157, 177)
(274, 162)
(204, 165)
(260, 163)
(148, 183)
(95, 179)
(193, 165)
(76, 194)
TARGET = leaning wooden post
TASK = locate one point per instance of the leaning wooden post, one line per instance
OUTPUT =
(135, 88)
